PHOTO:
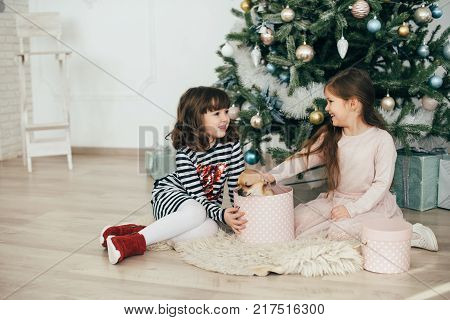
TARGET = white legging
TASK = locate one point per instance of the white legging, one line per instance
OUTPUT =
(187, 223)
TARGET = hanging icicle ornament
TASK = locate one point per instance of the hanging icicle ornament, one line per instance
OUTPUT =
(403, 30)
(422, 15)
(387, 103)
(374, 25)
(429, 103)
(304, 53)
(246, 5)
(360, 9)
(342, 46)
(287, 14)
(227, 50)
(256, 56)
(256, 121)
(233, 112)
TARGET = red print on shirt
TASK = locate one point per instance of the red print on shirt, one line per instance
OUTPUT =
(209, 175)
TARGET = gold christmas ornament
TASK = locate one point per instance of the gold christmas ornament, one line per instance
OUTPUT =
(360, 9)
(246, 5)
(233, 112)
(256, 121)
(304, 53)
(423, 15)
(316, 117)
(403, 30)
(267, 37)
(387, 103)
(287, 14)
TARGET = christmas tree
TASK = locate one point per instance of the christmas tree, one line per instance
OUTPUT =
(277, 60)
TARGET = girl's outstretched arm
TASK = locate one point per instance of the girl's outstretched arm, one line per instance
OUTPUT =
(385, 157)
(296, 165)
(187, 173)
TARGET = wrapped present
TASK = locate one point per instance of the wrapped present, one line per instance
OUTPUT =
(416, 179)
(444, 183)
(160, 162)
(270, 219)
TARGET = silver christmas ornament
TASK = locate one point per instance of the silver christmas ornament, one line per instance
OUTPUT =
(304, 52)
(342, 46)
(233, 112)
(435, 82)
(256, 56)
(446, 51)
(387, 103)
(374, 25)
(256, 121)
(360, 9)
(287, 14)
(429, 103)
(227, 50)
(423, 51)
(422, 15)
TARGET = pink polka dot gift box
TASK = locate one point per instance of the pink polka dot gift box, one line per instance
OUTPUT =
(270, 219)
(386, 245)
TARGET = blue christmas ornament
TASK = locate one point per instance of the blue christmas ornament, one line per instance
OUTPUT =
(446, 51)
(423, 50)
(436, 12)
(251, 157)
(374, 25)
(284, 77)
(435, 82)
(270, 68)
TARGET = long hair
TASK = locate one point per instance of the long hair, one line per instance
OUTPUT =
(189, 130)
(349, 83)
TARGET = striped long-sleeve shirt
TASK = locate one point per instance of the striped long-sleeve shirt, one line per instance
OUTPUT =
(200, 176)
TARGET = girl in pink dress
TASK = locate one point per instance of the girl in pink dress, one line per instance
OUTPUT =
(359, 155)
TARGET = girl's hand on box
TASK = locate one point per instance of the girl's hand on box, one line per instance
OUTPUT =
(234, 218)
(339, 212)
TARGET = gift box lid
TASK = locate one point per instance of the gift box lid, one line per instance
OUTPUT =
(395, 229)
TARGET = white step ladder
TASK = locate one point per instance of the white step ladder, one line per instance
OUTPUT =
(33, 25)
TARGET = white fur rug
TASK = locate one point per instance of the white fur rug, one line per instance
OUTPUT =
(308, 257)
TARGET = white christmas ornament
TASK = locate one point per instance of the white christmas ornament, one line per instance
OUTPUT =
(342, 47)
(256, 56)
(227, 50)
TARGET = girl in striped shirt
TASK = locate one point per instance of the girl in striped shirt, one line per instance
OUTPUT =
(187, 203)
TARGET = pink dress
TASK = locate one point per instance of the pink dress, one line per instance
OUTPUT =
(367, 163)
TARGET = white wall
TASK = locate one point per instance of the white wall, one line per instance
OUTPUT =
(159, 48)
(10, 138)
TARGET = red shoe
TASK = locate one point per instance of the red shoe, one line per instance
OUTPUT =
(118, 231)
(121, 247)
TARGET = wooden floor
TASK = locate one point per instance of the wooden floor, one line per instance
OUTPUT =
(49, 249)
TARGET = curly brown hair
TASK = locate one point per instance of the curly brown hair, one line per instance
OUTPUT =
(189, 130)
(349, 83)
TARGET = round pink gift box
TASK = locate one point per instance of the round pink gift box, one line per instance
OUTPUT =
(386, 245)
(269, 218)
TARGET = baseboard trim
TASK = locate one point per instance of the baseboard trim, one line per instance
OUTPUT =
(105, 151)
